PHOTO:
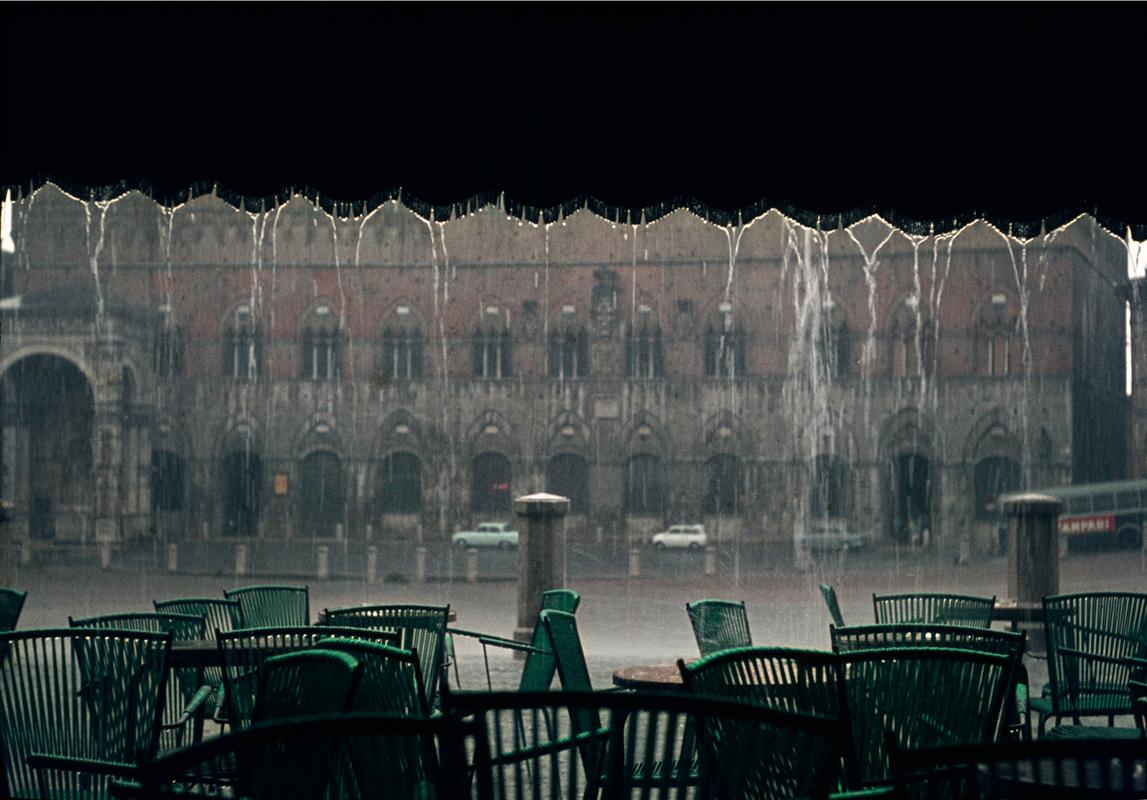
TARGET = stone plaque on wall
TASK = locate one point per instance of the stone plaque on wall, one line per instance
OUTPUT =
(606, 408)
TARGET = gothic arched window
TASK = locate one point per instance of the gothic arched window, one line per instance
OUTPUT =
(644, 357)
(320, 342)
(724, 346)
(568, 351)
(996, 340)
(491, 355)
(242, 347)
(167, 349)
(910, 342)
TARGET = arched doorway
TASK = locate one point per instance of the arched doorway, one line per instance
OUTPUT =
(490, 484)
(48, 416)
(167, 481)
(568, 475)
(399, 484)
(644, 489)
(722, 485)
(242, 475)
(911, 497)
(321, 499)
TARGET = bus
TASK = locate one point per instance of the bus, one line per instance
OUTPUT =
(1098, 513)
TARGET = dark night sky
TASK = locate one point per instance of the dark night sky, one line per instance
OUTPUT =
(1019, 110)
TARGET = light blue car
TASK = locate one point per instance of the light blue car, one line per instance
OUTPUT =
(487, 534)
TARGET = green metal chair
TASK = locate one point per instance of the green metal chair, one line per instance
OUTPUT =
(391, 681)
(1095, 642)
(866, 637)
(1138, 688)
(422, 628)
(77, 708)
(218, 615)
(719, 625)
(242, 653)
(926, 696)
(539, 668)
(347, 757)
(565, 645)
(268, 606)
(829, 595)
(632, 744)
(1109, 769)
(934, 607)
(187, 695)
(11, 604)
(305, 683)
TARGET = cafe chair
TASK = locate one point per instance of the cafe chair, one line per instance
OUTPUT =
(539, 668)
(265, 606)
(391, 681)
(719, 625)
(11, 604)
(187, 695)
(829, 595)
(421, 628)
(1016, 719)
(315, 681)
(330, 756)
(243, 652)
(1111, 769)
(934, 607)
(78, 707)
(218, 615)
(1096, 642)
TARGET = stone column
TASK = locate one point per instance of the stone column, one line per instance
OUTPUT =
(541, 554)
(1137, 455)
(7, 523)
(1033, 546)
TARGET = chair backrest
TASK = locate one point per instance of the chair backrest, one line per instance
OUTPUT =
(925, 695)
(719, 625)
(934, 607)
(78, 693)
(243, 651)
(391, 681)
(648, 745)
(335, 756)
(1092, 638)
(305, 683)
(565, 644)
(1138, 689)
(1110, 768)
(829, 595)
(266, 606)
(11, 604)
(218, 615)
(422, 628)
(561, 600)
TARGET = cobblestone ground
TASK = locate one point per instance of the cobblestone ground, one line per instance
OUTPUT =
(623, 621)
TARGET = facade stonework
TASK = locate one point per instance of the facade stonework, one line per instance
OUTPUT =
(289, 374)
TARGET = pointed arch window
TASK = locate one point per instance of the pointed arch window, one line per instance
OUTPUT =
(321, 346)
(911, 346)
(644, 355)
(568, 351)
(491, 353)
(994, 476)
(829, 490)
(402, 354)
(996, 340)
(167, 349)
(834, 346)
(242, 347)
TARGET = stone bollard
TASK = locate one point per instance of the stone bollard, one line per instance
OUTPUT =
(710, 560)
(634, 561)
(172, 557)
(338, 531)
(324, 557)
(25, 552)
(240, 560)
(204, 531)
(105, 548)
(372, 564)
(471, 565)
(420, 565)
(369, 534)
(1033, 546)
(541, 523)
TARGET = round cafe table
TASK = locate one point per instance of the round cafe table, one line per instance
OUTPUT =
(649, 677)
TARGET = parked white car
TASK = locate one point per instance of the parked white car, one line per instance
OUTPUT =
(487, 534)
(690, 536)
(823, 535)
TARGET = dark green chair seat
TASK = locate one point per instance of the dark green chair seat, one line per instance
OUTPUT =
(188, 695)
(719, 625)
(78, 707)
(347, 757)
(421, 628)
(272, 606)
(11, 604)
(934, 607)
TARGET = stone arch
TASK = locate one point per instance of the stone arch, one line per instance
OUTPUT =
(240, 478)
(643, 434)
(319, 432)
(490, 431)
(566, 433)
(910, 457)
(64, 353)
(404, 462)
(993, 458)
